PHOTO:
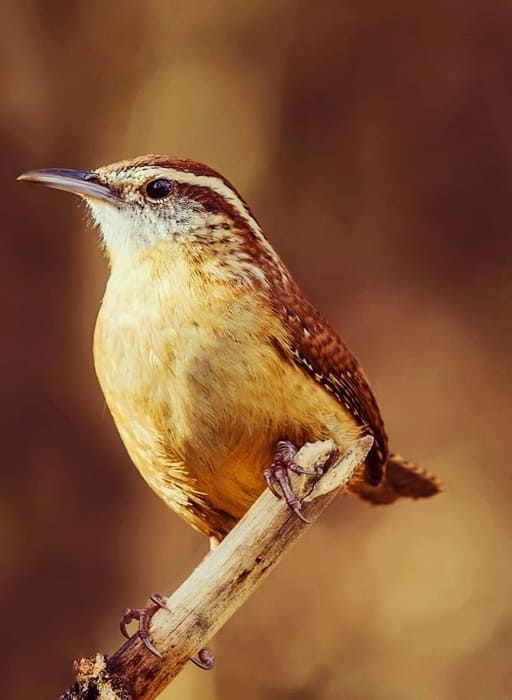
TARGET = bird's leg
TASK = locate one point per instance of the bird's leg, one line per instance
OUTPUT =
(278, 479)
(204, 659)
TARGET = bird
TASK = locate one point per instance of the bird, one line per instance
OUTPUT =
(215, 366)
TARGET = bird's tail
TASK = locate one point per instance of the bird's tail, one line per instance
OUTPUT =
(402, 479)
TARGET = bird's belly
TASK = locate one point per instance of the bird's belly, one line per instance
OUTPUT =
(200, 420)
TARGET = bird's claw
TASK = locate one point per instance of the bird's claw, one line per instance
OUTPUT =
(204, 659)
(277, 476)
(269, 476)
(144, 616)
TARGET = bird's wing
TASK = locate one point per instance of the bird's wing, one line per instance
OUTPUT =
(318, 350)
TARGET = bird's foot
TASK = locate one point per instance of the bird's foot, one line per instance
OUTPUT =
(278, 479)
(204, 659)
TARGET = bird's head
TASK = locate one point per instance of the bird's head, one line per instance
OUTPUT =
(141, 202)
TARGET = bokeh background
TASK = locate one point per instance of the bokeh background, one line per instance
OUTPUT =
(373, 140)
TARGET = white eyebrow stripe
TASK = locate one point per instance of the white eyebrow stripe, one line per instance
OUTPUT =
(216, 185)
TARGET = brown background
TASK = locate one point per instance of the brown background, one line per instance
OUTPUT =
(374, 142)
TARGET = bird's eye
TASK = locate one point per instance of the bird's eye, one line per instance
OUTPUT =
(158, 189)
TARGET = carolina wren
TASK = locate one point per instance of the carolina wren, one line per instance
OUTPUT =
(207, 351)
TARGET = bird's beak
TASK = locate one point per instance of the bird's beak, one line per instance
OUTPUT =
(82, 182)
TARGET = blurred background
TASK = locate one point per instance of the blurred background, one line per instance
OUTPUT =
(373, 140)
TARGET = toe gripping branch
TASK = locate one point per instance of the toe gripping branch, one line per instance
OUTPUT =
(205, 658)
(278, 478)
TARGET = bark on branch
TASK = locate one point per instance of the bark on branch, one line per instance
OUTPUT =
(218, 586)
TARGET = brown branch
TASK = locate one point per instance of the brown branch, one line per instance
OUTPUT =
(218, 586)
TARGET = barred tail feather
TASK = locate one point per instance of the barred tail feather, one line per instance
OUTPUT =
(402, 479)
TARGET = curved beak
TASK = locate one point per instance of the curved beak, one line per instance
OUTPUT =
(82, 182)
